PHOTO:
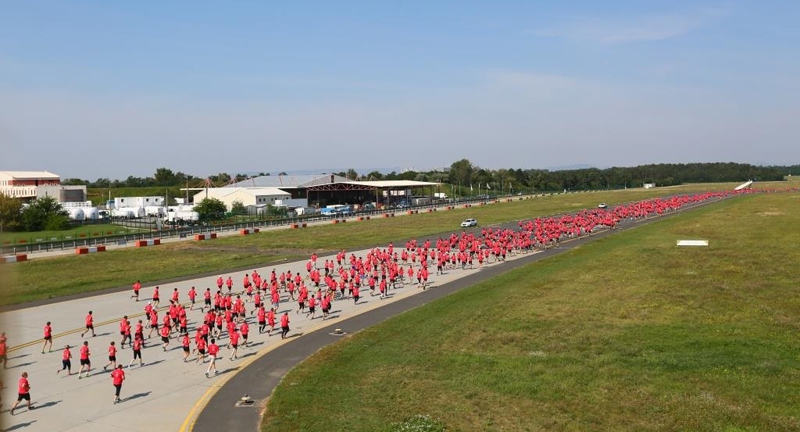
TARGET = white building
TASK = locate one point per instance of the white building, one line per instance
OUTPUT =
(29, 185)
(139, 202)
(252, 196)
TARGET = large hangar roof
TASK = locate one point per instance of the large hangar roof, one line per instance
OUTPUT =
(291, 181)
(387, 184)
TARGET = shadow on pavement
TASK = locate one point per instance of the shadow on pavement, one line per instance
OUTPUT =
(136, 396)
(19, 426)
(21, 365)
(47, 404)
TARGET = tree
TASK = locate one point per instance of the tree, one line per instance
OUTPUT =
(461, 172)
(164, 177)
(238, 208)
(210, 209)
(10, 213)
(352, 174)
(44, 213)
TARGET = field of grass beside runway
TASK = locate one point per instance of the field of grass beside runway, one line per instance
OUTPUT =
(626, 333)
(56, 277)
(76, 233)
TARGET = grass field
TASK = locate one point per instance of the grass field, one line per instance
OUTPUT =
(626, 333)
(81, 232)
(56, 277)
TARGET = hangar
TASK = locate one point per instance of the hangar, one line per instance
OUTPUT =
(328, 189)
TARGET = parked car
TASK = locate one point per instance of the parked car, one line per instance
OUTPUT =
(602, 205)
(469, 223)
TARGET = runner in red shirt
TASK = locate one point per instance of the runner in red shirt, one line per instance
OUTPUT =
(66, 362)
(176, 295)
(284, 325)
(271, 321)
(244, 329)
(165, 337)
(234, 342)
(23, 392)
(136, 287)
(112, 357)
(137, 352)
(201, 349)
(89, 324)
(156, 297)
(185, 343)
(85, 362)
(48, 337)
(213, 349)
(117, 377)
(3, 351)
(192, 296)
(262, 319)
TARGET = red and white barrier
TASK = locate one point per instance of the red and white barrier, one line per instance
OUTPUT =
(15, 258)
(83, 250)
(148, 242)
(205, 236)
(248, 231)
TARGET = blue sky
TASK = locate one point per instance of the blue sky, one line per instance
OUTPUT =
(110, 89)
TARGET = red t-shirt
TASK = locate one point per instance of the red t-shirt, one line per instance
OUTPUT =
(48, 331)
(118, 376)
(24, 387)
(112, 350)
(85, 352)
(66, 355)
(234, 338)
(89, 319)
(213, 349)
(284, 320)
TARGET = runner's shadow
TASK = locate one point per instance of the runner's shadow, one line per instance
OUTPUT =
(228, 370)
(294, 335)
(21, 365)
(19, 356)
(153, 363)
(136, 396)
(333, 316)
(255, 344)
(247, 355)
(48, 404)
(103, 334)
(20, 426)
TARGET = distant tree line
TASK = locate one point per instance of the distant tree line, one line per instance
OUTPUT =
(464, 173)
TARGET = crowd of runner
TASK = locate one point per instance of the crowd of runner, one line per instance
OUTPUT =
(201, 322)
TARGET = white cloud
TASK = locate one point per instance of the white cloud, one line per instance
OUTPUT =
(612, 31)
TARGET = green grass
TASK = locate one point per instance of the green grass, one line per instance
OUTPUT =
(626, 333)
(55, 277)
(76, 233)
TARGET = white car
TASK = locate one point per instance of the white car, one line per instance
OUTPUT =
(469, 223)
(602, 205)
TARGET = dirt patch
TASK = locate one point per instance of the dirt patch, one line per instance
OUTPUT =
(771, 213)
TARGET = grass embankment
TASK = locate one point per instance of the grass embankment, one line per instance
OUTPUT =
(626, 333)
(56, 277)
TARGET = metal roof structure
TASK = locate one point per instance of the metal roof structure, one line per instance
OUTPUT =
(290, 181)
(29, 175)
(326, 182)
